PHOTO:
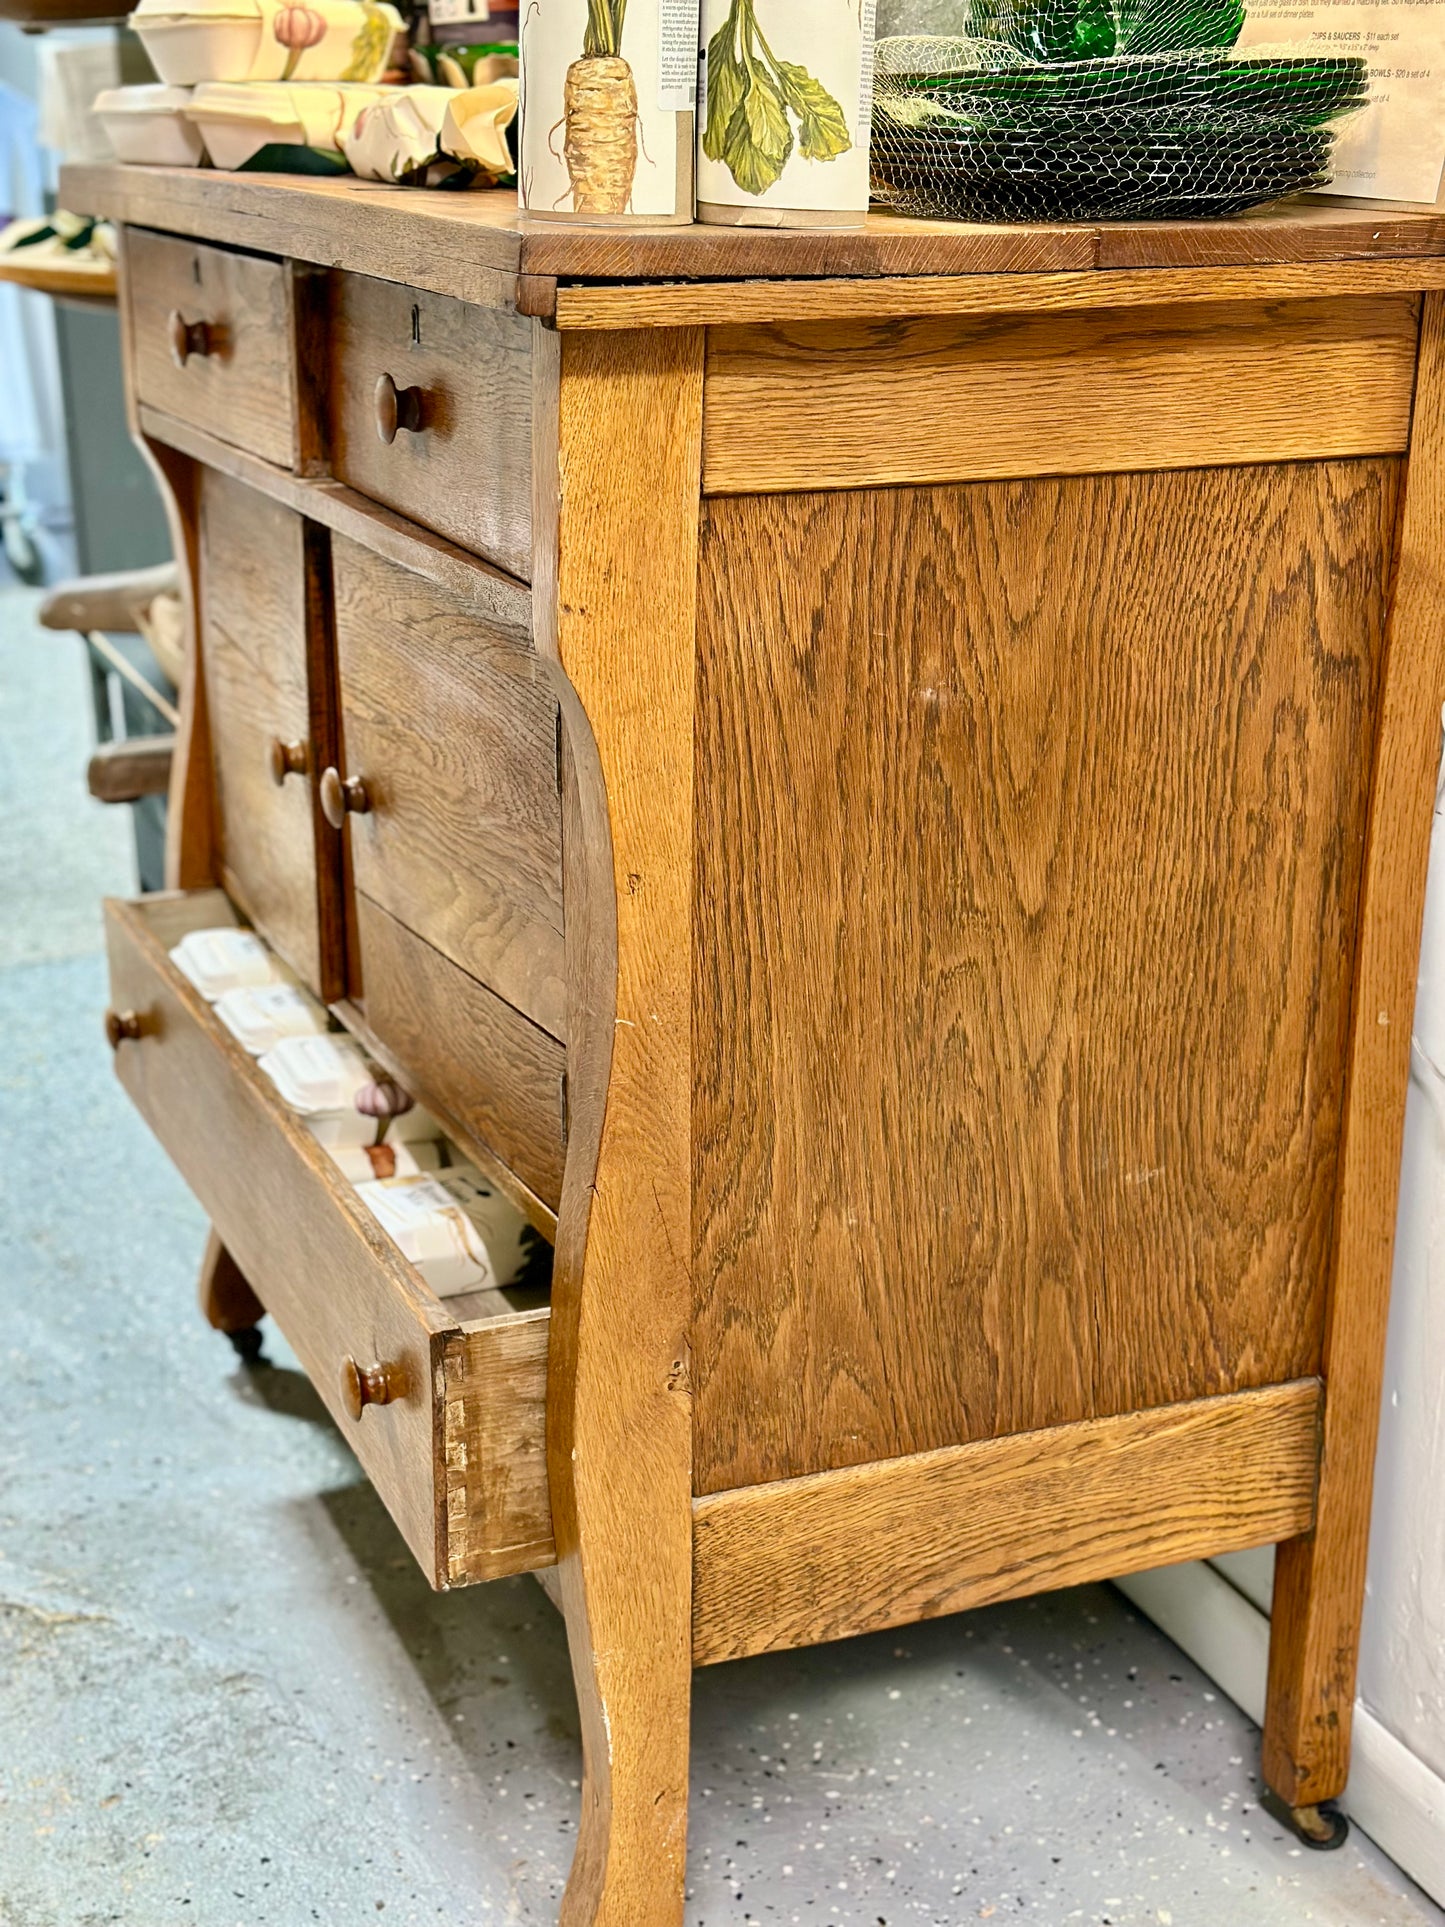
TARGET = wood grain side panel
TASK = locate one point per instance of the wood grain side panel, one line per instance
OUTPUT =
(1023, 945)
(858, 405)
(244, 390)
(1320, 1579)
(499, 1516)
(468, 473)
(465, 1052)
(452, 726)
(886, 1544)
(259, 594)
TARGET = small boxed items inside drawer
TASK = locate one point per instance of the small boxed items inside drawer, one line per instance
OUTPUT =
(411, 1291)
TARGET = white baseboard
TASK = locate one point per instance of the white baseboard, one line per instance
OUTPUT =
(1394, 1796)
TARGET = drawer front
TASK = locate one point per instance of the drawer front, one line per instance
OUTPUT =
(234, 372)
(458, 1453)
(452, 730)
(462, 376)
(263, 657)
(495, 1078)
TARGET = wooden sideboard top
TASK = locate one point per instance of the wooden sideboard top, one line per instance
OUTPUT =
(479, 247)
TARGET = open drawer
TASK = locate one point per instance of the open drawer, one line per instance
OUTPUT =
(451, 1427)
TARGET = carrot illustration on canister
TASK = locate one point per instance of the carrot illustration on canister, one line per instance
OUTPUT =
(600, 118)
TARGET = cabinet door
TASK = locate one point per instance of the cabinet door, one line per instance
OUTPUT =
(272, 722)
(449, 780)
(452, 730)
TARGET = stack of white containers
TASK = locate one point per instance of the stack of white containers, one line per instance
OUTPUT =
(242, 75)
(456, 1228)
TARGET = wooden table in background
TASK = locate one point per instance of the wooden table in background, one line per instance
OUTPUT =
(46, 277)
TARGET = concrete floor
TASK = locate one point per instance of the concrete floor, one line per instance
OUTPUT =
(226, 1695)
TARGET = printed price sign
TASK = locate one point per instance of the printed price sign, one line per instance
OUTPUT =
(449, 12)
(1394, 148)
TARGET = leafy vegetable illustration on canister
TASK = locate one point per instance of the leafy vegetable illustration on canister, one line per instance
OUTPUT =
(608, 89)
(784, 139)
(370, 47)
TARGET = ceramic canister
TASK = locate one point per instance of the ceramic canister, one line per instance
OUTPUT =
(783, 118)
(608, 93)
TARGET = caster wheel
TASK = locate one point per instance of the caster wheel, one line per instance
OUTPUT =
(1321, 1828)
(247, 1345)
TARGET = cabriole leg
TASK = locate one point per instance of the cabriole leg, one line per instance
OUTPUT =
(629, 1869)
(227, 1301)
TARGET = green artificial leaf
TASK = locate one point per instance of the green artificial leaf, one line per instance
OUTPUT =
(823, 126)
(279, 157)
(726, 84)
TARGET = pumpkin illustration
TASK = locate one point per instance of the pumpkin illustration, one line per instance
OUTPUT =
(297, 28)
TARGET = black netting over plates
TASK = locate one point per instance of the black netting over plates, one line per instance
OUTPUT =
(1071, 110)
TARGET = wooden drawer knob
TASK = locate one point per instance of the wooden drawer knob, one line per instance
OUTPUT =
(370, 1385)
(287, 759)
(398, 408)
(120, 1025)
(340, 795)
(187, 338)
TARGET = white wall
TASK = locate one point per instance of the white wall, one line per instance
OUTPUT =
(1402, 1672)
(1397, 1785)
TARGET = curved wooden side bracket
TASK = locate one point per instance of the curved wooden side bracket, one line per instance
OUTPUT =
(190, 834)
(618, 441)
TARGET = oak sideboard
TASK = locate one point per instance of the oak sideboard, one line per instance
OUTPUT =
(880, 785)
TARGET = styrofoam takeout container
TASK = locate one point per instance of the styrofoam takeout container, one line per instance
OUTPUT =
(200, 43)
(237, 121)
(458, 1230)
(216, 961)
(191, 41)
(147, 126)
(319, 1077)
(258, 1016)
